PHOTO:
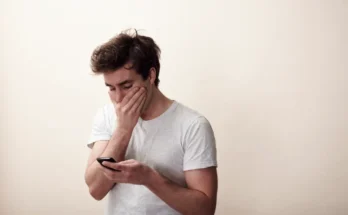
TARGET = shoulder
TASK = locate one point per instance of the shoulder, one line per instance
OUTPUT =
(106, 113)
(107, 110)
(190, 117)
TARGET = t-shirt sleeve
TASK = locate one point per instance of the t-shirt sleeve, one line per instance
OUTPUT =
(100, 130)
(199, 145)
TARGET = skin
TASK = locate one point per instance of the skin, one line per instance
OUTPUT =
(134, 97)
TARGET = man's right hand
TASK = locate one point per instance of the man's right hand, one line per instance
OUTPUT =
(129, 109)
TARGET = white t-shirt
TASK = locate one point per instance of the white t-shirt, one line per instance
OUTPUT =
(178, 140)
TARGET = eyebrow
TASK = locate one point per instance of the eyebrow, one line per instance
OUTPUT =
(120, 84)
(108, 85)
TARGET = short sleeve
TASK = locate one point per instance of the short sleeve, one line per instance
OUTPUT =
(100, 130)
(199, 145)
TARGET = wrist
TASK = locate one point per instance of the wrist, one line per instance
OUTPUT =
(123, 132)
(120, 138)
(153, 179)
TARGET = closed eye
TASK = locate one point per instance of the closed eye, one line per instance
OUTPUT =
(111, 88)
(127, 86)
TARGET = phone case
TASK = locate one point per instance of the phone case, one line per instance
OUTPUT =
(109, 159)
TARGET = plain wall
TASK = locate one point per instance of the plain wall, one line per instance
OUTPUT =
(271, 76)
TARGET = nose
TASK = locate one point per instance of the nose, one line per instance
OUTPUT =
(119, 96)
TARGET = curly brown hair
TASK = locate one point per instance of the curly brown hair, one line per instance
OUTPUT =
(125, 49)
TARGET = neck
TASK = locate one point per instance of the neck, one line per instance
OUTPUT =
(159, 103)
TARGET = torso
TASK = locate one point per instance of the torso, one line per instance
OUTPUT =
(157, 143)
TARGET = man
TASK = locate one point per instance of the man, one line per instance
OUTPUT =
(165, 152)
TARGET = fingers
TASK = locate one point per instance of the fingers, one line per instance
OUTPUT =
(110, 164)
(141, 105)
(131, 172)
(130, 161)
(113, 176)
(130, 95)
(137, 108)
(136, 99)
(122, 166)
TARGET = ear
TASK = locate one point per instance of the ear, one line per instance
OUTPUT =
(152, 75)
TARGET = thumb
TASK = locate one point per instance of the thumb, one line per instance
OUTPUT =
(121, 167)
(111, 165)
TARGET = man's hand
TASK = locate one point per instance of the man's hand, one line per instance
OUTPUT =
(131, 171)
(199, 197)
(129, 109)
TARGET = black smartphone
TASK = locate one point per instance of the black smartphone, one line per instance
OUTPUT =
(109, 159)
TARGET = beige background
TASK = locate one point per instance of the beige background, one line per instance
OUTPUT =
(270, 76)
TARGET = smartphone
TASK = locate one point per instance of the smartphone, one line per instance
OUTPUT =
(109, 159)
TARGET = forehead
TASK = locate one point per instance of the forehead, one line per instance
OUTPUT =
(120, 75)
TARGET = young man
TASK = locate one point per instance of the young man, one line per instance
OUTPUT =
(165, 152)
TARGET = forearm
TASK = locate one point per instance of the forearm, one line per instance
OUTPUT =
(184, 200)
(117, 145)
(97, 182)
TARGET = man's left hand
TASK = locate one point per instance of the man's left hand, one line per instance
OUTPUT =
(131, 171)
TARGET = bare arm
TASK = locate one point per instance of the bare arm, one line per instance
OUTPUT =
(116, 147)
(128, 112)
(198, 198)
